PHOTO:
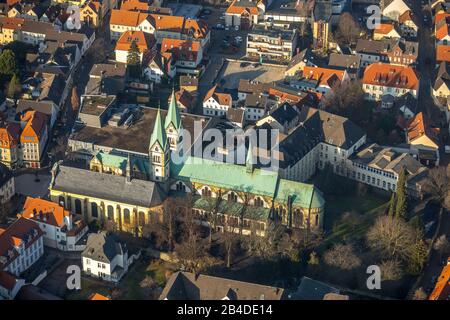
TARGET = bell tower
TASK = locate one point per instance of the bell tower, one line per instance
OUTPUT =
(159, 151)
(172, 123)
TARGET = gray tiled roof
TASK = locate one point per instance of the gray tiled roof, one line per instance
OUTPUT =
(107, 186)
(188, 286)
(103, 247)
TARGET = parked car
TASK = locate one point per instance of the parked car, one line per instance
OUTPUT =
(244, 64)
(238, 38)
(206, 11)
(236, 28)
(227, 28)
(256, 65)
(220, 26)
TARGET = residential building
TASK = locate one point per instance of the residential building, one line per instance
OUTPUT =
(382, 79)
(380, 167)
(216, 103)
(255, 107)
(21, 245)
(190, 286)
(144, 41)
(299, 61)
(283, 118)
(386, 30)
(106, 78)
(62, 230)
(244, 13)
(322, 80)
(271, 43)
(409, 25)
(90, 13)
(350, 63)
(424, 139)
(393, 51)
(7, 184)
(9, 285)
(442, 53)
(393, 9)
(185, 54)
(442, 29)
(185, 101)
(155, 68)
(105, 257)
(321, 26)
(161, 26)
(310, 289)
(33, 138)
(9, 144)
(441, 86)
(328, 139)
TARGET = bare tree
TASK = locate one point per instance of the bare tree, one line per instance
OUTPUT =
(170, 213)
(75, 100)
(442, 245)
(437, 185)
(345, 98)
(420, 294)
(391, 270)
(342, 256)
(211, 213)
(229, 239)
(348, 29)
(391, 237)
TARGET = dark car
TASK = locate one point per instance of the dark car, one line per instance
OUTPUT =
(206, 11)
(244, 64)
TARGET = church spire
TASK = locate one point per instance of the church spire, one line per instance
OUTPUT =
(173, 114)
(158, 134)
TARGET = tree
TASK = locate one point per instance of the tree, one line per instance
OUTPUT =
(420, 294)
(134, 59)
(8, 63)
(391, 237)
(348, 29)
(391, 270)
(230, 239)
(12, 87)
(442, 245)
(392, 203)
(437, 185)
(170, 213)
(74, 100)
(313, 259)
(401, 198)
(342, 256)
(5, 209)
(345, 99)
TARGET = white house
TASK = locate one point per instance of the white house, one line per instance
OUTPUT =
(105, 257)
(21, 245)
(9, 285)
(215, 103)
(395, 9)
(62, 229)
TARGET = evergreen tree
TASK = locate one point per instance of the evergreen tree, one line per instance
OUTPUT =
(392, 204)
(12, 87)
(401, 203)
(134, 59)
(8, 63)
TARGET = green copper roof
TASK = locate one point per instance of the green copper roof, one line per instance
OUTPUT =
(117, 161)
(236, 177)
(173, 115)
(301, 193)
(226, 175)
(111, 160)
(158, 134)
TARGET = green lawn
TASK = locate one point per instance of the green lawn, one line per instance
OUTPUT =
(367, 207)
(129, 285)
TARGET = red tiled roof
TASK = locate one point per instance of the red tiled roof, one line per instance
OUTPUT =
(442, 53)
(36, 209)
(144, 41)
(20, 229)
(324, 76)
(391, 76)
(384, 28)
(98, 296)
(180, 49)
(9, 135)
(236, 8)
(222, 98)
(36, 123)
(419, 126)
(442, 289)
(7, 280)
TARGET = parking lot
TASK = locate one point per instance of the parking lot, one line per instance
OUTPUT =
(233, 72)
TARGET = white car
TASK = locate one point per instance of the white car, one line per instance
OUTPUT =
(236, 28)
(238, 38)
(227, 28)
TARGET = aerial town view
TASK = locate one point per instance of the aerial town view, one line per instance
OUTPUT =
(225, 150)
